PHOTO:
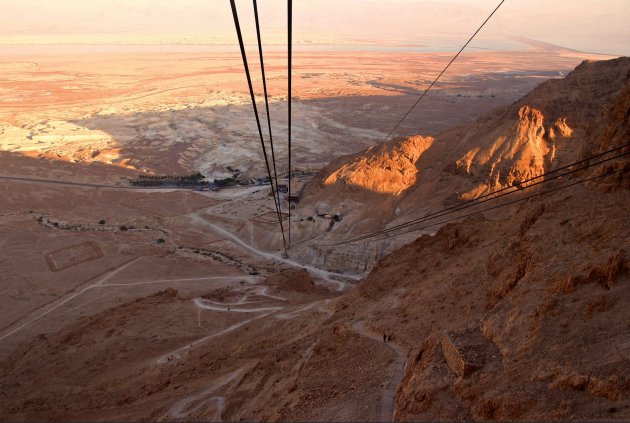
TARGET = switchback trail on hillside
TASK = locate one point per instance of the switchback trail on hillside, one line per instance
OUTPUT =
(324, 274)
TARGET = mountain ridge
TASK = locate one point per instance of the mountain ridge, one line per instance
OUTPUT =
(548, 128)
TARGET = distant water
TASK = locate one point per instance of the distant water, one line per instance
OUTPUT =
(429, 46)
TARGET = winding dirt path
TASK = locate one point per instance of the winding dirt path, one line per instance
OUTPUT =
(213, 306)
(193, 403)
(74, 294)
(180, 352)
(100, 284)
(387, 405)
(324, 274)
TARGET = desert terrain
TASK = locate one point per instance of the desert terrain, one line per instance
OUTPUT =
(184, 111)
(122, 303)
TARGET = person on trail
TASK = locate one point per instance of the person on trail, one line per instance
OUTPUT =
(384, 338)
(390, 337)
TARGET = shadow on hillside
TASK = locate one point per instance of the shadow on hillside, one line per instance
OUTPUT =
(211, 138)
(49, 168)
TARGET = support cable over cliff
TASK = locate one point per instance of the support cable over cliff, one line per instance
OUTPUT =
(493, 195)
(607, 173)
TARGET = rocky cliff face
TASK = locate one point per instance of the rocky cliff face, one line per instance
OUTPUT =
(518, 316)
(385, 169)
(522, 314)
(558, 123)
(521, 153)
(548, 127)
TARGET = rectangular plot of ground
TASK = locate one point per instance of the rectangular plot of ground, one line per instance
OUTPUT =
(71, 256)
(172, 203)
(270, 217)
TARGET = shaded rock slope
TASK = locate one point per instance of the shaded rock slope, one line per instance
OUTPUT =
(553, 125)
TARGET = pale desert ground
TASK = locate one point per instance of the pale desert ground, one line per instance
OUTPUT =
(183, 111)
(70, 252)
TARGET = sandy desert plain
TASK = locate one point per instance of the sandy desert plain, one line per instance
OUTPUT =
(181, 269)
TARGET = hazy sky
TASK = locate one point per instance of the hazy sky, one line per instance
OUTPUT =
(588, 25)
